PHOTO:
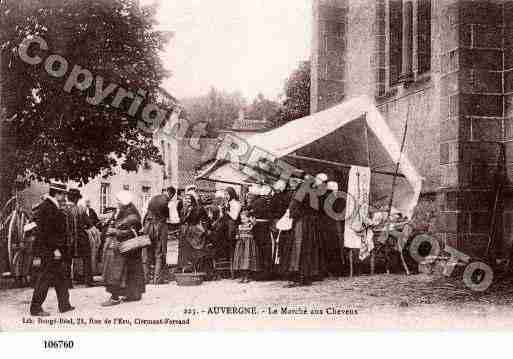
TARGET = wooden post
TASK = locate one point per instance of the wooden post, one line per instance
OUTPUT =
(351, 269)
(366, 132)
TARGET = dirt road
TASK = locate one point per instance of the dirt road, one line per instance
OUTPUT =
(380, 301)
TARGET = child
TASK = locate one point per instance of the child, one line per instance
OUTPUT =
(245, 258)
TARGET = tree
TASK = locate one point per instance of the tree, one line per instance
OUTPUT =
(297, 95)
(49, 133)
(218, 109)
(262, 108)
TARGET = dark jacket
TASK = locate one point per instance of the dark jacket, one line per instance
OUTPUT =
(280, 203)
(77, 222)
(261, 207)
(158, 207)
(51, 229)
(93, 217)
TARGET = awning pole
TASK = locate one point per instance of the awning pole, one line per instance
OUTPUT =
(219, 181)
(398, 163)
(340, 164)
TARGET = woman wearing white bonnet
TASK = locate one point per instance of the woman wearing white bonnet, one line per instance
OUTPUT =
(331, 231)
(265, 190)
(320, 178)
(123, 274)
(279, 185)
(332, 186)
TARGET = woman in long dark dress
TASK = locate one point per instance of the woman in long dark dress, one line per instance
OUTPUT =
(305, 256)
(233, 217)
(193, 237)
(123, 274)
(332, 231)
(261, 210)
(219, 226)
(279, 205)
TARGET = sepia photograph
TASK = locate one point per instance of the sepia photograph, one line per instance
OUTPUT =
(191, 165)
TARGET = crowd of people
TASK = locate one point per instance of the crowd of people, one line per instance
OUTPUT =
(270, 234)
(67, 233)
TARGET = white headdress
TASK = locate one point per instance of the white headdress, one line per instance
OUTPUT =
(280, 185)
(332, 186)
(321, 177)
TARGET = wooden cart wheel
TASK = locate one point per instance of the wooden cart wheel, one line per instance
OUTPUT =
(15, 235)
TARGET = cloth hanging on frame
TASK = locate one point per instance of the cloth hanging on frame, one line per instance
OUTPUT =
(357, 207)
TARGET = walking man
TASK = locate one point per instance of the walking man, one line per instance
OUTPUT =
(156, 227)
(51, 251)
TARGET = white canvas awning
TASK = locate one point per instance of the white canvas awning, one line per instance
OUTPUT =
(352, 133)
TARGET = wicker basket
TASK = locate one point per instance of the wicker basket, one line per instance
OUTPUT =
(189, 279)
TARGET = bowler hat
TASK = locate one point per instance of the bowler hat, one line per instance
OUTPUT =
(58, 187)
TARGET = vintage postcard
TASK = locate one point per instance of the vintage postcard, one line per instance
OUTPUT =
(262, 165)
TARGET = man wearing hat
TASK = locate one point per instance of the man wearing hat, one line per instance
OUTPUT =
(77, 223)
(156, 228)
(51, 249)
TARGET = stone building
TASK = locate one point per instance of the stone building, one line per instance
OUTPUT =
(445, 67)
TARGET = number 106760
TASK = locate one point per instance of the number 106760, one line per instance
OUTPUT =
(58, 344)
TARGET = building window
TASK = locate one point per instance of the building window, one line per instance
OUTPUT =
(409, 22)
(423, 36)
(395, 40)
(146, 196)
(126, 187)
(341, 30)
(104, 196)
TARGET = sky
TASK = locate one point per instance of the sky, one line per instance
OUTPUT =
(234, 45)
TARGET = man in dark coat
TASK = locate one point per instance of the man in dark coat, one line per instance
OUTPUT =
(77, 224)
(52, 252)
(156, 227)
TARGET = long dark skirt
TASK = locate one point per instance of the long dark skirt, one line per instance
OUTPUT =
(306, 259)
(263, 241)
(219, 238)
(188, 256)
(284, 251)
(332, 243)
(123, 274)
(231, 234)
(4, 257)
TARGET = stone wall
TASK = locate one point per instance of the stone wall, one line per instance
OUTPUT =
(458, 114)
(328, 49)
(472, 120)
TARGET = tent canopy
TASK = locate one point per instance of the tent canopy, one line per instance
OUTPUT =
(350, 134)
